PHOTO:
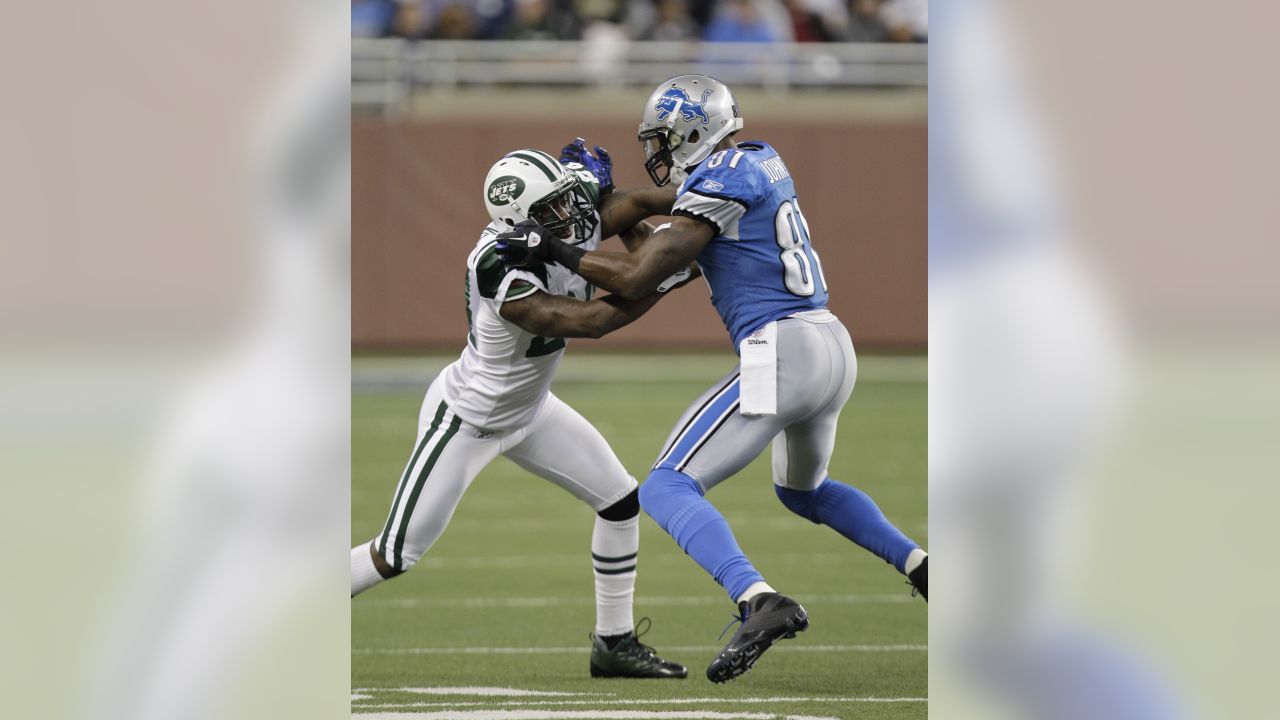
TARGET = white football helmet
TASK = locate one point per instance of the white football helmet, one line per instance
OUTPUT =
(683, 120)
(530, 184)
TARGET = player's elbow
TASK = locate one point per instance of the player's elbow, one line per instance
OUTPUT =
(634, 287)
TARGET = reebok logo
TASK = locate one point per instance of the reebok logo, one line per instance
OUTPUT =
(713, 186)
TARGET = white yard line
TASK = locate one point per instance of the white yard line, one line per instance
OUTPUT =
(479, 691)
(495, 703)
(666, 701)
(586, 715)
(584, 649)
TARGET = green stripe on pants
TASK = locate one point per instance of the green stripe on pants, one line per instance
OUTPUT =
(422, 481)
(426, 438)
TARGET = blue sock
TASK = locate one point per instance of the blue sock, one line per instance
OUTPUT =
(675, 501)
(853, 514)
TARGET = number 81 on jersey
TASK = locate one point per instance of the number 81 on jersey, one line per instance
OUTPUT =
(801, 268)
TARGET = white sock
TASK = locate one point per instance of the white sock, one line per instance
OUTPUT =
(363, 574)
(755, 589)
(615, 546)
(916, 557)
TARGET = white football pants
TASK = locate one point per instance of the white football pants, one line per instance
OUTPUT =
(558, 445)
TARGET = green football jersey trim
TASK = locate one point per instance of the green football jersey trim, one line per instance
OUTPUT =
(591, 188)
(466, 299)
(525, 290)
(489, 271)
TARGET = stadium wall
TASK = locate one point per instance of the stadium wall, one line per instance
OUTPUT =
(416, 214)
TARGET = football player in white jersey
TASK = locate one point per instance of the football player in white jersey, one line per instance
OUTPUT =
(496, 399)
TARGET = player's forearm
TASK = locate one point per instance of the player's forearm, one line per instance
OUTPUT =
(556, 316)
(635, 275)
(615, 311)
(624, 274)
(622, 209)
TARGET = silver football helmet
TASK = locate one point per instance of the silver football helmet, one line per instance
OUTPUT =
(530, 184)
(683, 120)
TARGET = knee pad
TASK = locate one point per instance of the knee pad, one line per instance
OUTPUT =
(801, 502)
(625, 509)
(663, 493)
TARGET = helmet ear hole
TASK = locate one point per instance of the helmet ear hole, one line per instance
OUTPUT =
(510, 223)
(693, 137)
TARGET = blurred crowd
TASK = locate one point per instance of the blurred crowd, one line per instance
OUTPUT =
(667, 20)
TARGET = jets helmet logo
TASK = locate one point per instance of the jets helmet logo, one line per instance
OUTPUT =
(505, 189)
(676, 100)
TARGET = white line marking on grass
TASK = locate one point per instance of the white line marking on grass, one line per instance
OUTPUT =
(581, 650)
(479, 691)
(503, 703)
(667, 701)
(417, 705)
(640, 601)
(845, 648)
(586, 715)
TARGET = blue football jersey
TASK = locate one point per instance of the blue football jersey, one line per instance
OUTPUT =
(760, 265)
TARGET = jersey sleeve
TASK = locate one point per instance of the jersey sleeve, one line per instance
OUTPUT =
(519, 284)
(718, 196)
(495, 282)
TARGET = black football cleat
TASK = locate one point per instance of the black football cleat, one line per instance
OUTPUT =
(631, 658)
(919, 579)
(766, 619)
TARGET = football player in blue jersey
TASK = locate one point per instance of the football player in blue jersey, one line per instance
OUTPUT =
(738, 218)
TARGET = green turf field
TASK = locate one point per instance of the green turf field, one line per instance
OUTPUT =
(493, 622)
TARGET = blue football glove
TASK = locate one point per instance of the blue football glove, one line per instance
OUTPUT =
(600, 165)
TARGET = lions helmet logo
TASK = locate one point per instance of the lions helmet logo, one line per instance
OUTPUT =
(505, 189)
(676, 100)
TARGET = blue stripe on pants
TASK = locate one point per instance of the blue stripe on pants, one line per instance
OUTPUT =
(702, 426)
